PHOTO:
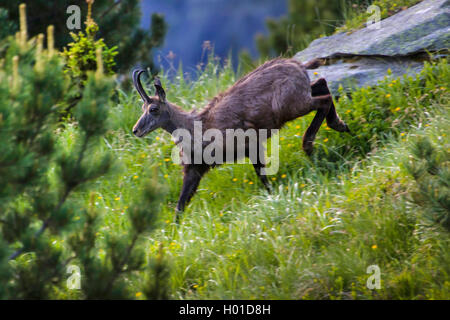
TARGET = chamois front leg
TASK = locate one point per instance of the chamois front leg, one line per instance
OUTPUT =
(258, 169)
(192, 176)
(259, 165)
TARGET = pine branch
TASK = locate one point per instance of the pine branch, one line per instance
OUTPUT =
(68, 190)
(121, 264)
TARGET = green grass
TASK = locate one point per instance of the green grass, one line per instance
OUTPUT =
(329, 217)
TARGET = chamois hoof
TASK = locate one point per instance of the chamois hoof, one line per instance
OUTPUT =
(308, 147)
(339, 126)
(347, 129)
(178, 215)
(268, 188)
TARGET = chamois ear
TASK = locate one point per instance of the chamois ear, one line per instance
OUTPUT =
(159, 90)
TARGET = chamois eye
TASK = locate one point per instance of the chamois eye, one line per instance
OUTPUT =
(154, 110)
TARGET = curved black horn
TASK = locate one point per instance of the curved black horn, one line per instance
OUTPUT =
(137, 83)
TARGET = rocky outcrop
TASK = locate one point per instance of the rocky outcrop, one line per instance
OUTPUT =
(363, 57)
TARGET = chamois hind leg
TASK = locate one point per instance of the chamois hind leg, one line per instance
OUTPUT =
(322, 104)
(320, 88)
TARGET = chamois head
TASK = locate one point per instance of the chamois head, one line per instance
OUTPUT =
(155, 110)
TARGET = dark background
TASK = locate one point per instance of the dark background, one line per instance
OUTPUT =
(228, 24)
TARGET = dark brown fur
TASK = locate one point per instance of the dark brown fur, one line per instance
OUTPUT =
(274, 93)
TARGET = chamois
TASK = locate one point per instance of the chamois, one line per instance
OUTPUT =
(266, 98)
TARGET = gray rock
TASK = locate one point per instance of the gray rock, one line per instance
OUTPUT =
(423, 27)
(363, 71)
(362, 58)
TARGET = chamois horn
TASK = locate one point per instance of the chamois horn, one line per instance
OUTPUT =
(137, 83)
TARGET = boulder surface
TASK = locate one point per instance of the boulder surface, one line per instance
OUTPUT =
(401, 43)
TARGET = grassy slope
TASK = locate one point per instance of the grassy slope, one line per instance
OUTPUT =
(329, 218)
